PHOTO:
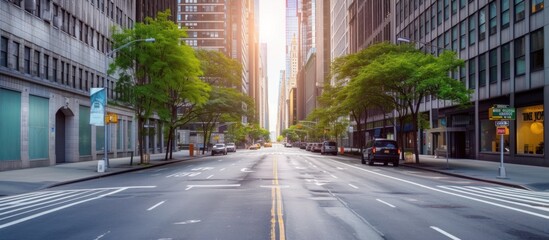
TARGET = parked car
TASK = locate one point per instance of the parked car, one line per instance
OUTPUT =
(309, 147)
(302, 145)
(268, 144)
(288, 145)
(231, 147)
(316, 147)
(328, 147)
(381, 150)
(254, 146)
(219, 148)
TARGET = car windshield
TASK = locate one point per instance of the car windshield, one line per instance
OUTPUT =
(331, 144)
(386, 144)
(219, 145)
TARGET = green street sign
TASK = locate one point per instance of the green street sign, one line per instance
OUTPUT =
(501, 113)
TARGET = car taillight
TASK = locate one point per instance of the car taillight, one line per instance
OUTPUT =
(374, 150)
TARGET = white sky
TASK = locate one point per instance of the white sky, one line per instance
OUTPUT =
(272, 30)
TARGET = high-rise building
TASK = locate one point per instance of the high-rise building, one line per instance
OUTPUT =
(147, 8)
(502, 43)
(51, 54)
(205, 22)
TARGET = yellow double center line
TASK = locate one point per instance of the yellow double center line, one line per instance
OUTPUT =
(277, 218)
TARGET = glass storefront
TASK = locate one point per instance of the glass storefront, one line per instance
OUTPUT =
(530, 130)
(489, 139)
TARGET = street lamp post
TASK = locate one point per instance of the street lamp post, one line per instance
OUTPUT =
(109, 54)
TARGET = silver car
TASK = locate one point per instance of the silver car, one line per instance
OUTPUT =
(231, 147)
(219, 148)
(328, 147)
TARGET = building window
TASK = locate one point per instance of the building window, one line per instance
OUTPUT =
(536, 50)
(446, 9)
(36, 64)
(16, 56)
(463, 36)
(54, 70)
(493, 20)
(519, 10)
(530, 130)
(73, 76)
(489, 139)
(62, 72)
(482, 25)
(3, 52)
(46, 67)
(472, 73)
(506, 61)
(472, 26)
(454, 7)
(455, 38)
(537, 5)
(433, 17)
(493, 61)
(439, 11)
(520, 65)
(462, 3)
(482, 70)
(26, 60)
(505, 13)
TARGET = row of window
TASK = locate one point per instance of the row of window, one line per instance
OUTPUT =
(50, 68)
(489, 61)
(485, 17)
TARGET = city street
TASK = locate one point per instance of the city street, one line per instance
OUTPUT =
(276, 193)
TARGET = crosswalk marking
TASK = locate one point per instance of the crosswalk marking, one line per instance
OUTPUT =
(20, 208)
(524, 198)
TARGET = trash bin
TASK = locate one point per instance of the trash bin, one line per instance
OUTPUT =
(191, 149)
(101, 166)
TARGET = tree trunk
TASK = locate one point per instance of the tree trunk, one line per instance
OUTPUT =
(140, 123)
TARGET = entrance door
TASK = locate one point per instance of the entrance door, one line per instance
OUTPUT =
(60, 137)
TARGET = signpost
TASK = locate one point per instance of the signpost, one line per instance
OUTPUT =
(444, 123)
(502, 114)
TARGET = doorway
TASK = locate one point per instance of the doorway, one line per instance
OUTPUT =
(62, 117)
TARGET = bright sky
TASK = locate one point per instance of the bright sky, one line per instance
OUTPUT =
(272, 30)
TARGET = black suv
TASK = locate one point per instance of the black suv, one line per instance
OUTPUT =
(381, 150)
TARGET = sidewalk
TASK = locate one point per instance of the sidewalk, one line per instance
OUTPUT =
(32, 179)
(520, 176)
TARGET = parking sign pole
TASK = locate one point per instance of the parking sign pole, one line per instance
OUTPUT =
(502, 173)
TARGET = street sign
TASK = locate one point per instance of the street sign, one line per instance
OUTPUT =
(502, 131)
(501, 113)
(502, 123)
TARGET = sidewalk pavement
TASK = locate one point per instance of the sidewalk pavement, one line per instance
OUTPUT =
(520, 176)
(32, 179)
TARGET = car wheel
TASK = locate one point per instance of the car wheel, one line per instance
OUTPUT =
(385, 163)
(213, 153)
(395, 163)
(370, 161)
(362, 160)
(335, 154)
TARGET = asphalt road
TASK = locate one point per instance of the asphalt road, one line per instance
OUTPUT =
(276, 193)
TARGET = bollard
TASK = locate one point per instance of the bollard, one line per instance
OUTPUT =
(101, 166)
(131, 159)
(191, 149)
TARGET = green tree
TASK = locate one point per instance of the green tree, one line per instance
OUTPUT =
(157, 78)
(226, 102)
(408, 76)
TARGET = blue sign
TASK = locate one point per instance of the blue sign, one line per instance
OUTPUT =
(98, 97)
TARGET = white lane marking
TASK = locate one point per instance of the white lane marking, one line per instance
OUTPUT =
(333, 176)
(353, 186)
(102, 235)
(246, 170)
(221, 170)
(211, 186)
(187, 222)
(445, 233)
(451, 193)
(156, 205)
(67, 206)
(209, 176)
(386, 203)
(340, 168)
(497, 199)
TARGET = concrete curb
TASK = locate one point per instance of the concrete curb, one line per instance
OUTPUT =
(107, 174)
